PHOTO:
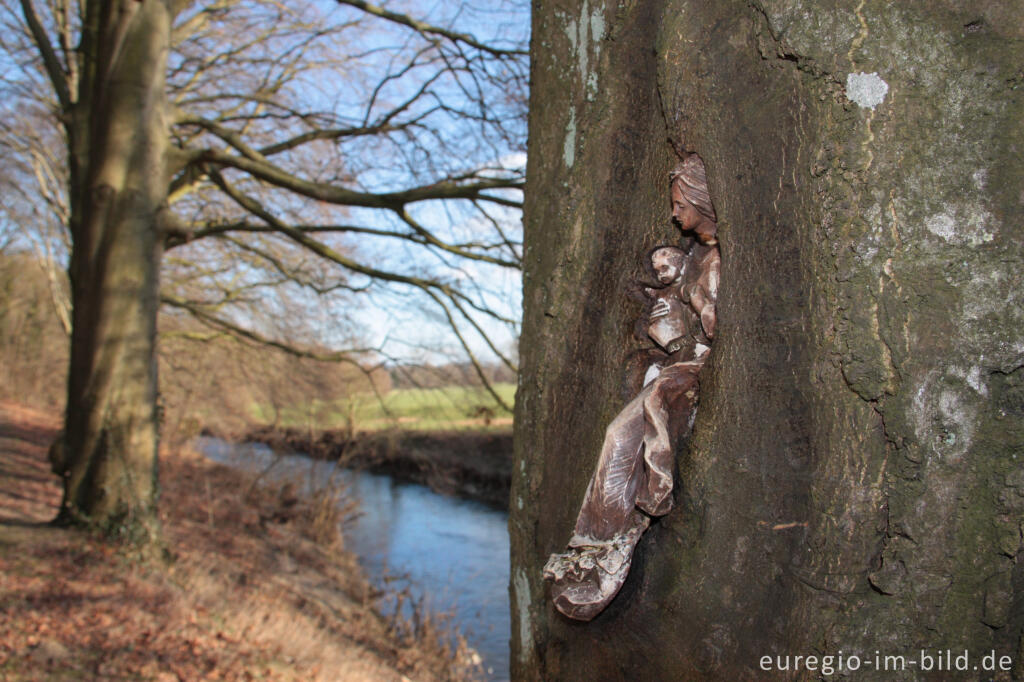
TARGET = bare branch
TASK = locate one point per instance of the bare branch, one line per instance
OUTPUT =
(325, 251)
(199, 313)
(428, 29)
(54, 70)
(443, 189)
(338, 150)
(469, 352)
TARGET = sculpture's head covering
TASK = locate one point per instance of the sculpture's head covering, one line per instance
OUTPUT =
(692, 180)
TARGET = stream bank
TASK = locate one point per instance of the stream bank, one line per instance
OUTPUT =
(475, 465)
(447, 554)
(252, 588)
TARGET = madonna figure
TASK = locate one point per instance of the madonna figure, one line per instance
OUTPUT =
(634, 476)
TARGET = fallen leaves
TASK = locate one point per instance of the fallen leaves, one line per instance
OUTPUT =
(243, 599)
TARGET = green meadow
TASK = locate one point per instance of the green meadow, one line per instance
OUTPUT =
(422, 409)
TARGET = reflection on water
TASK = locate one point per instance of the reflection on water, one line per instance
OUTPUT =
(454, 551)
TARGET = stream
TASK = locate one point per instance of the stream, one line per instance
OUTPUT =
(452, 552)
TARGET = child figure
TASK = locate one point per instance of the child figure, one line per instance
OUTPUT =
(633, 480)
(667, 324)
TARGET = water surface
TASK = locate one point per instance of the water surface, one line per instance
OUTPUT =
(455, 552)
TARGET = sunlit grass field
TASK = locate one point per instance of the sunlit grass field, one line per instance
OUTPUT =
(422, 409)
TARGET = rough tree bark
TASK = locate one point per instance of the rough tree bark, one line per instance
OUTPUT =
(853, 481)
(118, 139)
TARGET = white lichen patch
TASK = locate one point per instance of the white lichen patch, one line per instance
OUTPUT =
(569, 148)
(585, 34)
(944, 418)
(571, 32)
(870, 242)
(522, 590)
(943, 225)
(582, 45)
(973, 377)
(984, 296)
(957, 424)
(597, 27)
(965, 224)
(991, 302)
(976, 381)
(867, 90)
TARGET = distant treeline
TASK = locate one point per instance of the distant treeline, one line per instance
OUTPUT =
(208, 378)
(33, 343)
(450, 374)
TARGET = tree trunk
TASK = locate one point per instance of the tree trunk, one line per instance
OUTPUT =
(118, 136)
(852, 483)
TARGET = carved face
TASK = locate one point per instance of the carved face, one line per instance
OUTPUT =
(683, 211)
(668, 266)
(690, 219)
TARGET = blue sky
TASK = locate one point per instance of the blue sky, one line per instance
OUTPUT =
(409, 322)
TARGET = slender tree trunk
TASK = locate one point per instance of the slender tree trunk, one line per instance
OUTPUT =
(118, 136)
(854, 481)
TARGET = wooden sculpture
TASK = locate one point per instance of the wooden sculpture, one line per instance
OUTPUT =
(633, 481)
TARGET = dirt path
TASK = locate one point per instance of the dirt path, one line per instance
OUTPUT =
(29, 492)
(246, 594)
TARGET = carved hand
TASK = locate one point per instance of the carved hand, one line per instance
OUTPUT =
(660, 309)
(707, 320)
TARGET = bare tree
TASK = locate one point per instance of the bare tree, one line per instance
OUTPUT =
(33, 178)
(336, 149)
(33, 347)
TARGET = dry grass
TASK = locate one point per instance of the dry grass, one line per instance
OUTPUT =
(257, 587)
